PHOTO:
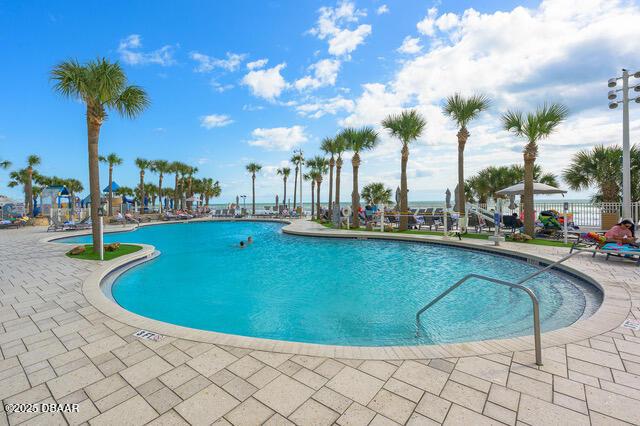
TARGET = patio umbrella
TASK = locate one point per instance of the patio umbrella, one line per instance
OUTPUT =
(538, 188)
(237, 201)
(398, 197)
(512, 202)
(448, 198)
(277, 203)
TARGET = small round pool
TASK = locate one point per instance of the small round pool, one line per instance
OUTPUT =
(333, 290)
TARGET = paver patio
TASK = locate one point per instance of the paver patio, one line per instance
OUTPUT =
(55, 347)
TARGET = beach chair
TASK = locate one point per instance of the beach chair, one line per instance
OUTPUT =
(6, 224)
(595, 241)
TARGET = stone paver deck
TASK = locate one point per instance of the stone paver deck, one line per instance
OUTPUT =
(55, 347)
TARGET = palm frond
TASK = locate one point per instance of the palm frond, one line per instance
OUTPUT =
(131, 102)
(462, 110)
(406, 126)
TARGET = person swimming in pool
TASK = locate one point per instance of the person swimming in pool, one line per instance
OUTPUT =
(241, 244)
(250, 240)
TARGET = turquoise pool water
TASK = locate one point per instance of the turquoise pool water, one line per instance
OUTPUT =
(334, 291)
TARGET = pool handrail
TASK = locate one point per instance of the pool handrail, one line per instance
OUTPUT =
(518, 285)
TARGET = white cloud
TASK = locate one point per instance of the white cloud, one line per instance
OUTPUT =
(332, 26)
(219, 87)
(382, 10)
(278, 138)
(215, 120)
(249, 107)
(325, 73)
(208, 63)
(321, 108)
(553, 52)
(410, 45)
(257, 64)
(267, 83)
(426, 26)
(130, 53)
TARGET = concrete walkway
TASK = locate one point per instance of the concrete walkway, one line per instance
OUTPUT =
(57, 348)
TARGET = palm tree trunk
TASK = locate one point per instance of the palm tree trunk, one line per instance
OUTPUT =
(141, 191)
(463, 134)
(338, 170)
(93, 131)
(332, 163)
(253, 192)
(404, 196)
(160, 190)
(175, 194)
(529, 215)
(313, 183)
(189, 195)
(318, 198)
(110, 190)
(28, 186)
(355, 196)
(295, 189)
(301, 208)
(284, 198)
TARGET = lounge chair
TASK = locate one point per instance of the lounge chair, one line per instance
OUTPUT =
(6, 224)
(596, 242)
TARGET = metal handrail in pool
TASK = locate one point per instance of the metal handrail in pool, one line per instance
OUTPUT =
(518, 285)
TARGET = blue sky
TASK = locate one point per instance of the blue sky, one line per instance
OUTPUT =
(233, 82)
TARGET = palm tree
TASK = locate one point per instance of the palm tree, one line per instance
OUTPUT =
(100, 85)
(488, 181)
(533, 127)
(113, 160)
(74, 186)
(190, 172)
(253, 168)
(463, 111)
(358, 140)
(319, 166)
(284, 172)
(32, 161)
(125, 191)
(161, 167)
(142, 165)
(5, 164)
(297, 159)
(340, 146)
(406, 126)
(176, 167)
(329, 145)
(210, 189)
(375, 193)
(19, 177)
(311, 176)
(600, 168)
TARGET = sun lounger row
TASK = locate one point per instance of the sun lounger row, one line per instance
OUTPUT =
(57, 225)
(223, 213)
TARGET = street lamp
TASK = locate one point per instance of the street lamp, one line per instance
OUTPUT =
(244, 203)
(101, 214)
(626, 148)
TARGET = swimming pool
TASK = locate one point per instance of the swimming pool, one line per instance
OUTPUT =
(335, 291)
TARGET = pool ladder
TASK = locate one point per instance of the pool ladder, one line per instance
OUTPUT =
(518, 285)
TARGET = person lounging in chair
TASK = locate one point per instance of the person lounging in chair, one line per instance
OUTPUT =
(622, 233)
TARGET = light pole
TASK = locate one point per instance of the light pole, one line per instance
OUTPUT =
(626, 148)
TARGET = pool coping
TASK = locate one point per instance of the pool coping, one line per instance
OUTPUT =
(615, 307)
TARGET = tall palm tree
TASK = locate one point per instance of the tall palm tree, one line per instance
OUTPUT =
(253, 168)
(142, 165)
(74, 186)
(534, 127)
(112, 160)
(101, 86)
(319, 167)
(376, 193)
(600, 168)
(406, 126)
(176, 168)
(161, 167)
(363, 139)
(190, 172)
(328, 145)
(311, 176)
(298, 160)
(462, 111)
(340, 146)
(284, 172)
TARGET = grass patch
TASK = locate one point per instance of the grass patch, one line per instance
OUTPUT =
(535, 241)
(89, 254)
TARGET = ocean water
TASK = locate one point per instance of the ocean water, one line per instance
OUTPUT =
(334, 291)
